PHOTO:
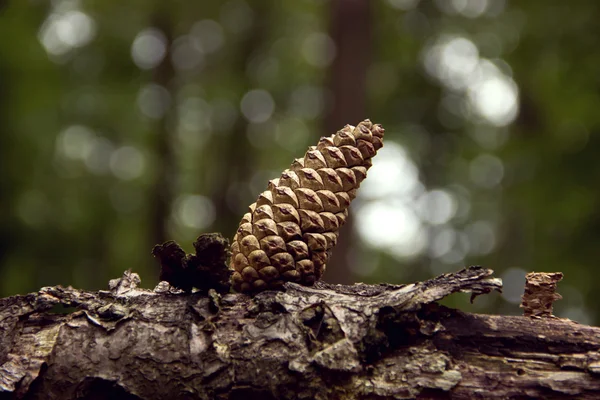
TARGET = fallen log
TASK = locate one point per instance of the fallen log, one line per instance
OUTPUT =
(322, 342)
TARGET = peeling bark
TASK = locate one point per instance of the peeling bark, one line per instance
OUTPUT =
(321, 342)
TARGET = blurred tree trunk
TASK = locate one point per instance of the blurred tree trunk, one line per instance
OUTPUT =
(162, 192)
(351, 32)
(322, 342)
(234, 160)
(8, 233)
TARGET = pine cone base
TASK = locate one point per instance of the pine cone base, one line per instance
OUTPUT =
(289, 232)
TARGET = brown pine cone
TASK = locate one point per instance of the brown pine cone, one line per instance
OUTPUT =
(290, 231)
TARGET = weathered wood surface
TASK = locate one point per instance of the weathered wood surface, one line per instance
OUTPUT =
(321, 342)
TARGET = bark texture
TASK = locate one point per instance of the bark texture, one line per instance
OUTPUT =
(320, 342)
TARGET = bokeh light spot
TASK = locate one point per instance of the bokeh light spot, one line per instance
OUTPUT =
(389, 226)
(482, 237)
(513, 285)
(194, 114)
(185, 56)
(62, 32)
(459, 250)
(307, 102)
(490, 92)
(442, 242)
(98, 158)
(486, 171)
(470, 8)
(207, 36)
(495, 98)
(153, 100)
(149, 48)
(291, 134)
(452, 60)
(194, 211)
(75, 28)
(318, 49)
(437, 207)
(127, 163)
(392, 174)
(257, 105)
(75, 142)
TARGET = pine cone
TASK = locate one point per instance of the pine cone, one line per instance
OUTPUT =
(290, 231)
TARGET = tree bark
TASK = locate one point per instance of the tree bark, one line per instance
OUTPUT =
(322, 342)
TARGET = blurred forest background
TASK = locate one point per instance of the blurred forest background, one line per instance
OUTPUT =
(127, 123)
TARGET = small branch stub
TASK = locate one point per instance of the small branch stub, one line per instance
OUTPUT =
(204, 270)
(540, 293)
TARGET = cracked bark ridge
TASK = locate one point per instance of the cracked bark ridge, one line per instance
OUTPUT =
(124, 284)
(540, 293)
(205, 270)
(289, 232)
